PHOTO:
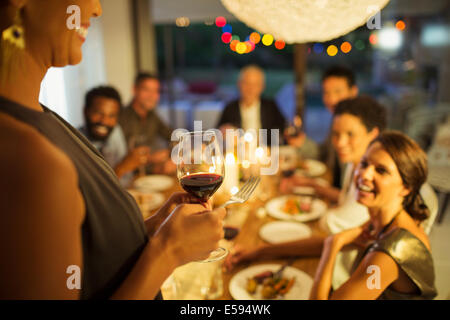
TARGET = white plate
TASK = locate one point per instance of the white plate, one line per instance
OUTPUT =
(153, 183)
(273, 207)
(314, 168)
(151, 201)
(147, 201)
(299, 291)
(284, 231)
(304, 190)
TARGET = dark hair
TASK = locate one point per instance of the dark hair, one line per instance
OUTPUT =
(368, 110)
(102, 91)
(411, 162)
(340, 72)
(144, 76)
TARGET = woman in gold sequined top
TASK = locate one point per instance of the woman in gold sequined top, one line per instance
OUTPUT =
(395, 260)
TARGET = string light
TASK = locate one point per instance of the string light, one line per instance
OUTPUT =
(332, 50)
(249, 47)
(360, 45)
(346, 47)
(226, 37)
(227, 28)
(221, 22)
(400, 25)
(255, 37)
(280, 44)
(241, 48)
(182, 22)
(233, 45)
(267, 39)
(318, 48)
(250, 42)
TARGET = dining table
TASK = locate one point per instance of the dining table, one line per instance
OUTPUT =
(248, 218)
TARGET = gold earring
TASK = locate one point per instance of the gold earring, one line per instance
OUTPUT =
(15, 34)
(12, 44)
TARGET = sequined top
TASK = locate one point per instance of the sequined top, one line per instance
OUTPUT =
(413, 257)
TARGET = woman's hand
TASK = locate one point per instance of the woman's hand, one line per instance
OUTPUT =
(346, 237)
(240, 255)
(191, 232)
(174, 200)
(177, 198)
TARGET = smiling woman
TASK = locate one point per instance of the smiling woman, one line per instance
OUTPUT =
(61, 205)
(388, 180)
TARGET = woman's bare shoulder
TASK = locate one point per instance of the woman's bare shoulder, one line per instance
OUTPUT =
(24, 146)
(29, 162)
(407, 223)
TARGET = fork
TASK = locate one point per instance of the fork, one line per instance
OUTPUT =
(245, 192)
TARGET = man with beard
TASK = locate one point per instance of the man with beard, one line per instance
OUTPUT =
(101, 112)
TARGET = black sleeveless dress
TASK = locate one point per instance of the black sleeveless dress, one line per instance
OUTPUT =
(113, 231)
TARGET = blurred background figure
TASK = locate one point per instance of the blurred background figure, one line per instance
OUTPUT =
(251, 111)
(101, 111)
(338, 83)
(143, 127)
(295, 136)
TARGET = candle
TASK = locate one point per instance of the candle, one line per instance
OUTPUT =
(231, 181)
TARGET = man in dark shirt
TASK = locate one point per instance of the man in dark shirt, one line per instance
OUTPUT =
(250, 111)
(141, 124)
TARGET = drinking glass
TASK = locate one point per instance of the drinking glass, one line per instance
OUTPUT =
(201, 170)
(139, 140)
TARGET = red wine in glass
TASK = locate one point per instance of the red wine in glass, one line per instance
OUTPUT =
(201, 185)
(201, 169)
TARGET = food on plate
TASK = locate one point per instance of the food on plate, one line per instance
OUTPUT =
(273, 285)
(293, 205)
(252, 285)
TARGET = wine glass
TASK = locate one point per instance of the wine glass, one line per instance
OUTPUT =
(201, 170)
(139, 140)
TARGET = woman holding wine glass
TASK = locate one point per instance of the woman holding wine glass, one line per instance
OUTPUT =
(62, 205)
